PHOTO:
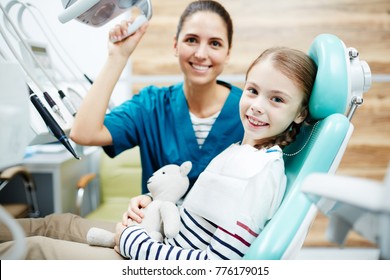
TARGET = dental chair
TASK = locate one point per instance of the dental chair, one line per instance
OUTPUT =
(119, 179)
(341, 79)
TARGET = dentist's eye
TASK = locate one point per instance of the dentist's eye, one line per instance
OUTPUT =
(191, 40)
(216, 44)
(252, 90)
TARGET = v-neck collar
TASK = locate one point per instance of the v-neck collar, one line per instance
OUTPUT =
(186, 130)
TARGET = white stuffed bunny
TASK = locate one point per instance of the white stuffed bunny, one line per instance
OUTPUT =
(161, 217)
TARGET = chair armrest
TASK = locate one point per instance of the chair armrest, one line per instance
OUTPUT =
(82, 184)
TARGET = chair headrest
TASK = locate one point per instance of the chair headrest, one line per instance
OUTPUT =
(331, 86)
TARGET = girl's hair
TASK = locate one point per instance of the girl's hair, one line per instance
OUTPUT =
(208, 6)
(301, 69)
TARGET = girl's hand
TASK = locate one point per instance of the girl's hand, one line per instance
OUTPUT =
(124, 46)
(134, 212)
(118, 232)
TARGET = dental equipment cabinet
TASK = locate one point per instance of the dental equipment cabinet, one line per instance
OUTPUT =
(55, 173)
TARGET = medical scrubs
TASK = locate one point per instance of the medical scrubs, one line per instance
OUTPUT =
(158, 121)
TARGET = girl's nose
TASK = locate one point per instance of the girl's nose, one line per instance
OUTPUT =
(257, 108)
(259, 104)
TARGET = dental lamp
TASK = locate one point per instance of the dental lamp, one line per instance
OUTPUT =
(98, 12)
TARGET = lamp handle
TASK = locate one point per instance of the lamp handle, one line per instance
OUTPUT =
(76, 9)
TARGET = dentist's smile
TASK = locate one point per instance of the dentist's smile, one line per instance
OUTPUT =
(199, 67)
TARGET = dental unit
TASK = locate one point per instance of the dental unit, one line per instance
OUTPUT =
(49, 35)
(50, 122)
(27, 48)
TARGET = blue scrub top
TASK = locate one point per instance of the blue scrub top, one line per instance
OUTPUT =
(158, 121)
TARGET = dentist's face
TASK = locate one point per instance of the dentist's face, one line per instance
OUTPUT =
(202, 47)
(269, 104)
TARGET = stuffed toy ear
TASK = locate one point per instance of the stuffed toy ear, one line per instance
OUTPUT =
(185, 168)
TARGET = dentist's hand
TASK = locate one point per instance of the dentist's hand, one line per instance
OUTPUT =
(123, 44)
(134, 212)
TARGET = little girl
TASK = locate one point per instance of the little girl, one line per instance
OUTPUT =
(241, 189)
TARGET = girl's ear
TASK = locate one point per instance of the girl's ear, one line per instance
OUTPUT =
(302, 116)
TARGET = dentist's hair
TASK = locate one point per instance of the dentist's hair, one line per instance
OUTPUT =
(302, 70)
(207, 6)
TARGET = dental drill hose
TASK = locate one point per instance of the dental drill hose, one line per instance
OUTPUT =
(51, 123)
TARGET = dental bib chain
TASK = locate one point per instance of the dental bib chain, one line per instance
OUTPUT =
(304, 145)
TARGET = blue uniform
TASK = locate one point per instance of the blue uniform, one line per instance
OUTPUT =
(158, 121)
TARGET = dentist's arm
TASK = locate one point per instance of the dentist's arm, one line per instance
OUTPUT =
(88, 128)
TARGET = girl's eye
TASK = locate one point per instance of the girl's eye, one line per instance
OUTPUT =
(277, 99)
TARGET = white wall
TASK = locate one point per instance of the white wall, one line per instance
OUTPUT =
(86, 45)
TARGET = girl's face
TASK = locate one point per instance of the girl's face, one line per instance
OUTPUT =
(269, 104)
(202, 47)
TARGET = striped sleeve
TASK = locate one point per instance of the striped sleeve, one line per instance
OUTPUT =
(136, 244)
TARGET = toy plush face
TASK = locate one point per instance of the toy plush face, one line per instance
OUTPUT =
(162, 178)
(169, 183)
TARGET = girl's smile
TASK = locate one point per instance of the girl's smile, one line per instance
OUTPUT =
(270, 103)
(255, 122)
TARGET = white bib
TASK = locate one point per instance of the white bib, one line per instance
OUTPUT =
(242, 184)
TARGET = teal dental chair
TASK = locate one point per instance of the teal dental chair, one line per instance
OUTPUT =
(340, 82)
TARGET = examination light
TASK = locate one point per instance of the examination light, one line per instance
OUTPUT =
(98, 12)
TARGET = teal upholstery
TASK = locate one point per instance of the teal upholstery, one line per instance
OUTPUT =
(316, 149)
(331, 89)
